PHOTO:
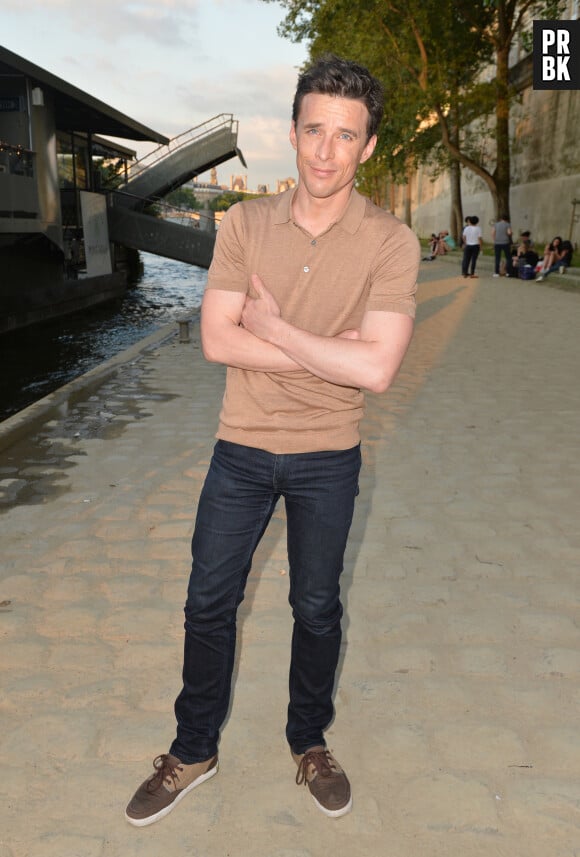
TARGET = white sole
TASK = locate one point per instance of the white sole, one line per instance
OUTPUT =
(151, 819)
(333, 813)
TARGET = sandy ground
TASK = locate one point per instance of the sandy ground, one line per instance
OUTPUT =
(459, 687)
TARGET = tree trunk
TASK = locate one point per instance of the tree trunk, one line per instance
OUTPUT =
(502, 114)
(456, 221)
(408, 197)
(456, 214)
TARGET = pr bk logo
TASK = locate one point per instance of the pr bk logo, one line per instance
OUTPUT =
(557, 54)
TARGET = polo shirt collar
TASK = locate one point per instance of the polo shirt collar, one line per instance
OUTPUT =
(350, 220)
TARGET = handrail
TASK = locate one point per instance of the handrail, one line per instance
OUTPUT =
(163, 151)
(183, 214)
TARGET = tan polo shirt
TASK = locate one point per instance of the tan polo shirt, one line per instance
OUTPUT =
(368, 260)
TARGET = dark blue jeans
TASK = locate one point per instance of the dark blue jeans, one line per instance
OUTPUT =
(470, 254)
(240, 493)
(507, 250)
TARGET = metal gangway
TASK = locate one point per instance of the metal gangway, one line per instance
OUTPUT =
(194, 152)
(163, 170)
(163, 230)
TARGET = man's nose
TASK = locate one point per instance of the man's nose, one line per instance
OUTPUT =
(325, 148)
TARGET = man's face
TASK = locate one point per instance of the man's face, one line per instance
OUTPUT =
(330, 138)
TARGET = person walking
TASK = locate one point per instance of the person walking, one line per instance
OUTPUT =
(310, 300)
(472, 244)
(502, 243)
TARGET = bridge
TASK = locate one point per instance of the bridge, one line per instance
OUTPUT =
(156, 175)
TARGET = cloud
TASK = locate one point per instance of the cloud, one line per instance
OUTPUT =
(250, 92)
(172, 64)
(169, 23)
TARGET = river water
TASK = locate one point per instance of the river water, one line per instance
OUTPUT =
(39, 359)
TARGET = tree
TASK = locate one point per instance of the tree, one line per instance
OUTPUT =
(183, 197)
(444, 66)
(509, 19)
(229, 197)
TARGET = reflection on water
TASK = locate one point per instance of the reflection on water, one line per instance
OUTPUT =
(41, 358)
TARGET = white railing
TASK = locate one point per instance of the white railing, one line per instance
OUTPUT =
(176, 143)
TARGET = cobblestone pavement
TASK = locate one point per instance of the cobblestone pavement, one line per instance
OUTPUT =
(459, 688)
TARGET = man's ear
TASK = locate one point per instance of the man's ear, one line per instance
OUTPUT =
(368, 149)
(293, 134)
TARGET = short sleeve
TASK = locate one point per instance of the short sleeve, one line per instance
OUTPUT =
(394, 273)
(228, 269)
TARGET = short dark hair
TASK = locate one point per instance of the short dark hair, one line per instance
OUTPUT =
(474, 220)
(332, 75)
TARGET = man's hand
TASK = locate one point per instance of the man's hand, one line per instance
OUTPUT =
(349, 333)
(261, 313)
(368, 357)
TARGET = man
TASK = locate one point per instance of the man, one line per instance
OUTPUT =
(502, 243)
(310, 297)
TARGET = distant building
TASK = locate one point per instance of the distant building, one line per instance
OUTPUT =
(285, 184)
(239, 183)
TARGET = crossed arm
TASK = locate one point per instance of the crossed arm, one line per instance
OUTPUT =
(249, 333)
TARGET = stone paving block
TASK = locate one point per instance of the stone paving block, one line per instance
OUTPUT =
(69, 589)
(556, 750)
(130, 588)
(482, 661)
(19, 692)
(127, 623)
(545, 810)
(89, 656)
(138, 736)
(558, 662)
(477, 746)
(164, 549)
(180, 531)
(25, 653)
(447, 802)
(66, 622)
(49, 734)
(408, 659)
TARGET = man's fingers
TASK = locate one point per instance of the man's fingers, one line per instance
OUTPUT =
(258, 284)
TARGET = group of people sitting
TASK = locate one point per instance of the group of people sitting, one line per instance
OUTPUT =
(557, 254)
(439, 245)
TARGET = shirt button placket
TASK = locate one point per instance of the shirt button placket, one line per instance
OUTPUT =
(306, 268)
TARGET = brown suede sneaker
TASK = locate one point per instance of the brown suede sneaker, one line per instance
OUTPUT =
(328, 784)
(172, 780)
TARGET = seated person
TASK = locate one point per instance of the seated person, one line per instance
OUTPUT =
(441, 248)
(557, 257)
(438, 246)
(449, 241)
(524, 253)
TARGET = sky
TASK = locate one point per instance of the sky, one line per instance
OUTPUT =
(172, 65)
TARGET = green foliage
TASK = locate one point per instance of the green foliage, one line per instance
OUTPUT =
(434, 60)
(112, 174)
(183, 197)
(153, 209)
(225, 200)
(230, 197)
